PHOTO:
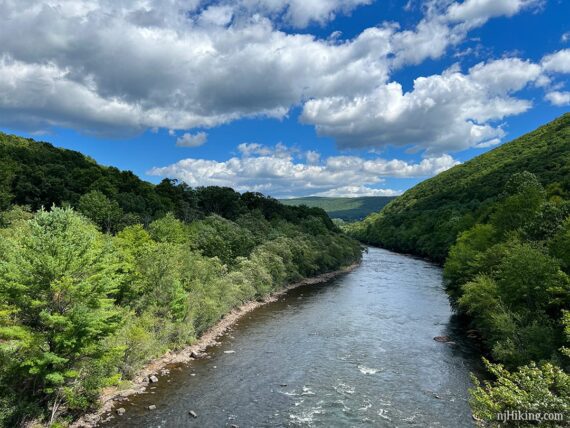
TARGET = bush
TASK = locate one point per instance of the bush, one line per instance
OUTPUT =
(533, 388)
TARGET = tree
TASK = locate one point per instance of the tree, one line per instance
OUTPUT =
(101, 210)
(222, 201)
(58, 275)
(461, 266)
(559, 246)
(168, 229)
(528, 279)
(523, 196)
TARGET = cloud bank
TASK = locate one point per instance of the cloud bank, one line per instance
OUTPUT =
(121, 67)
(283, 171)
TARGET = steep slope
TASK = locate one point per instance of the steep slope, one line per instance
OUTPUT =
(347, 209)
(427, 218)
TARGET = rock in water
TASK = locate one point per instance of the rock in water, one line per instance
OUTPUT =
(152, 407)
(442, 339)
(153, 379)
(193, 413)
(121, 411)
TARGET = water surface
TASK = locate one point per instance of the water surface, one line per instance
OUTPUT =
(355, 352)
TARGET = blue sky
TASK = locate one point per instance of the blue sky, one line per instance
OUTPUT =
(290, 98)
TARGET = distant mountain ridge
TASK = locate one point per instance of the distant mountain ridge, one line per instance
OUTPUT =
(347, 209)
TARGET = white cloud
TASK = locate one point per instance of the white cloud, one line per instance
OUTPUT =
(300, 13)
(448, 112)
(355, 191)
(124, 66)
(565, 37)
(558, 98)
(280, 150)
(250, 149)
(558, 62)
(192, 140)
(270, 172)
(166, 68)
(313, 157)
(477, 12)
(217, 15)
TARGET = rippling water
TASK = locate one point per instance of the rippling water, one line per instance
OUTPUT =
(355, 352)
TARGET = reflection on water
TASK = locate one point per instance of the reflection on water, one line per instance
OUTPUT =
(356, 352)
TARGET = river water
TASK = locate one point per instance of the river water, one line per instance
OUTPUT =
(355, 352)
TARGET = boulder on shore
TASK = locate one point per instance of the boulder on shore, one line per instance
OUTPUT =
(153, 379)
(442, 339)
(121, 411)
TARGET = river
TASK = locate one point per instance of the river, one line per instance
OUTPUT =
(355, 352)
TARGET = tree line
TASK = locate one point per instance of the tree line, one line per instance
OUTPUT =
(97, 277)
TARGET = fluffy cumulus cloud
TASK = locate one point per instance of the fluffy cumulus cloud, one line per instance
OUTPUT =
(477, 12)
(282, 171)
(558, 62)
(356, 191)
(124, 66)
(192, 140)
(106, 66)
(298, 13)
(553, 64)
(558, 98)
(446, 112)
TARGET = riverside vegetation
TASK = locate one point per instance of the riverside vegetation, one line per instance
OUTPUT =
(501, 224)
(101, 272)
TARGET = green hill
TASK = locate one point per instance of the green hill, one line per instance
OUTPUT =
(36, 174)
(347, 209)
(501, 223)
(427, 218)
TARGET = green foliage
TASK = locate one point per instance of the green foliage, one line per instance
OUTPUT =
(57, 280)
(102, 211)
(39, 175)
(88, 297)
(427, 219)
(463, 264)
(14, 214)
(536, 389)
(522, 199)
(528, 279)
(218, 237)
(168, 229)
(559, 246)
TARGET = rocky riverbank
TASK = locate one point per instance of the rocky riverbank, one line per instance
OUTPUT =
(111, 397)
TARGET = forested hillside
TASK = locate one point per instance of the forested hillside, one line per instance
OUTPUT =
(427, 218)
(114, 271)
(347, 209)
(501, 223)
(36, 174)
